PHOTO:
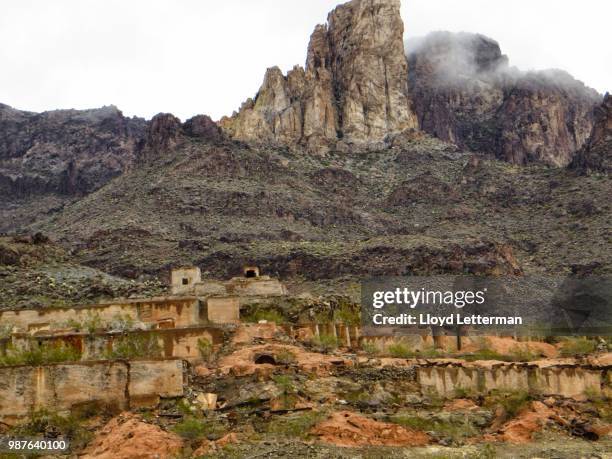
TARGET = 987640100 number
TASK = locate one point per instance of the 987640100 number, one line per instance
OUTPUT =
(14, 444)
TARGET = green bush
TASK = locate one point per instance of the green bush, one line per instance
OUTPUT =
(135, 346)
(285, 357)
(296, 425)
(205, 347)
(5, 330)
(511, 401)
(370, 348)
(484, 354)
(400, 351)
(348, 314)
(288, 389)
(40, 355)
(325, 342)
(518, 354)
(190, 428)
(577, 346)
(90, 324)
(42, 422)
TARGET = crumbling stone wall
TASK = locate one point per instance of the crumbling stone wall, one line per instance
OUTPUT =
(448, 379)
(110, 384)
(179, 312)
(173, 342)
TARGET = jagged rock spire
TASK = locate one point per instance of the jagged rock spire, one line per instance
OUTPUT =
(354, 87)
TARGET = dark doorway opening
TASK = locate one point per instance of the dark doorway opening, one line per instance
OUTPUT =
(265, 358)
(250, 273)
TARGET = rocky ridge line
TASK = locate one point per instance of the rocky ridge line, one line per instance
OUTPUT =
(464, 92)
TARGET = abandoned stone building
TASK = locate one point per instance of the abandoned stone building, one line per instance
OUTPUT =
(192, 303)
(188, 281)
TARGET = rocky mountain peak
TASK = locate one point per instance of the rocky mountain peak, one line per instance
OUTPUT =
(163, 133)
(464, 92)
(202, 126)
(353, 89)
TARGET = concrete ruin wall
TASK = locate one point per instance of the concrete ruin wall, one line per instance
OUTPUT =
(65, 386)
(223, 310)
(449, 380)
(173, 342)
(241, 286)
(182, 280)
(175, 312)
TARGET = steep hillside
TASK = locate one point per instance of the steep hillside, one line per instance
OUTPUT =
(50, 158)
(35, 272)
(420, 206)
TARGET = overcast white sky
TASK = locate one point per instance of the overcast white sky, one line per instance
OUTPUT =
(203, 56)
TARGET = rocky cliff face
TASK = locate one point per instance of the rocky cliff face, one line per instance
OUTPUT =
(464, 92)
(353, 88)
(68, 152)
(165, 132)
(596, 155)
(49, 159)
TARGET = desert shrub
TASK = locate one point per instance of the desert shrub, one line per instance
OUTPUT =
(135, 346)
(40, 355)
(370, 348)
(592, 394)
(193, 428)
(577, 346)
(43, 422)
(484, 354)
(5, 330)
(325, 342)
(522, 354)
(122, 323)
(457, 430)
(347, 314)
(400, 350)
(296, 425)
(90, 324)
(190, 428)
(205, 347)
(511, 401)
(285, 357)
(288, 389)
(429, 353)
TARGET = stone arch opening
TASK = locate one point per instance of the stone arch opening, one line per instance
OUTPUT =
(261, 359)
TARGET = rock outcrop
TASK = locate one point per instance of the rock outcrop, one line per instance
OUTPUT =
(464, 92)
(69, 152)
(353, 88)
(596, 155)
(165, 132)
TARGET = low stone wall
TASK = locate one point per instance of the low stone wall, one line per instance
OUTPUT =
(173, 342)
(170, 311)
(347, 335)
(450, 379)
(240, 286)
(113, 385)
